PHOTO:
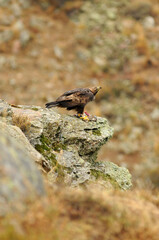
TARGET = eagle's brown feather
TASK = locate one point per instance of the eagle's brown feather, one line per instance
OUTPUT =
(75, 99)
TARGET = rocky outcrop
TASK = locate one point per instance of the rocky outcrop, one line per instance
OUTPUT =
(66, 147)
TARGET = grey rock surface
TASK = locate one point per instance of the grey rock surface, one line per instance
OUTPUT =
(25, 37)
(20, 179)
(68, 146)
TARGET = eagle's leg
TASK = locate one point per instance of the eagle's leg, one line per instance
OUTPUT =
(80, 110)
(80, 113)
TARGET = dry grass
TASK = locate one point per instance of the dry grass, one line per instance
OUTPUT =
(4, 113)
(82, 215)
(22, 121)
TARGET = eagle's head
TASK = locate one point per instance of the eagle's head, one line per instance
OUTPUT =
(94, 90)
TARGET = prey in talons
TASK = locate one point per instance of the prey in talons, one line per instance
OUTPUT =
(84, 116)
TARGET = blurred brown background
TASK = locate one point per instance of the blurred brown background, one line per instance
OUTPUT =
(48, 47)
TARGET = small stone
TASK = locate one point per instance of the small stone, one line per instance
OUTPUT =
(155, 114)
(100, 61)
(137, 133)
(18, 26)
(25, 37)
(111, 14)
(16, 9)
(95, 16)
(58, 52)
(81, 55)
(2, 62)
(149, 22)
(12, 63)
(34, 53)
(12, 81)
(6, 36)
(37, 22)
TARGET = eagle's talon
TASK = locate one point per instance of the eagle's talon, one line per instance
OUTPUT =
(82, 117)
(78, 115)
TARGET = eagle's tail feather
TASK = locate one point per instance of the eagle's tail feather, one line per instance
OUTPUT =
(51, 104)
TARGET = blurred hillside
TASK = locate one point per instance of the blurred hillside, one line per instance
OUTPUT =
(86, 215)
(48, 47)
(51, 46)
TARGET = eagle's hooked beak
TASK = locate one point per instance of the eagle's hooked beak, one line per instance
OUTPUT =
(98, 88)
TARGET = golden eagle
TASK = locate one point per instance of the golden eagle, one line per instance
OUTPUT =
(75, 99)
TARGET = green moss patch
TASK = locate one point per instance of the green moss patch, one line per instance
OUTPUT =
(46, 148)
(56, 146)
(96, 132)
(100, 175)
(35, 109)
